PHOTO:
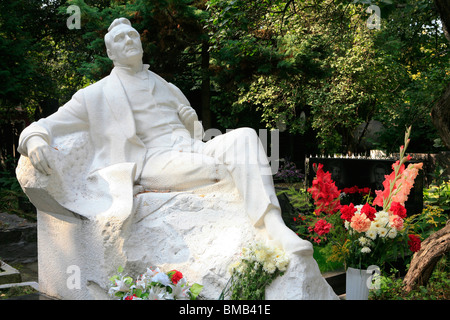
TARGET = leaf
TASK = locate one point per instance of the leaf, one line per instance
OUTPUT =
(195, 290)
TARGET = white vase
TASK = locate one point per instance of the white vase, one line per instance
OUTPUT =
(356, 284)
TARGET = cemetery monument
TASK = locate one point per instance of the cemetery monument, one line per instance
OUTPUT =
(120, 178)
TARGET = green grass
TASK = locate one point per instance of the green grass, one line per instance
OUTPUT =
(16, 291)
(320, 256)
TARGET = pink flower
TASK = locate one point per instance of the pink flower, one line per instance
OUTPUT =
(360, 222)
(396, 222)
(403, 184)
(406, 182)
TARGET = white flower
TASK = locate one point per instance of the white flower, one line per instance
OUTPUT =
(161, 278)
(269, 257)
(150, 273)
(158, 293)
(346, 224)
(269, 267)
(141, 283)
(180, 290)
(366, 250)
(121, 286)
(371, 233)
(364, 241)
(260, 255)
(282, 262)
(234, 267)
(392, 233)
(382, 215)
(382, 232)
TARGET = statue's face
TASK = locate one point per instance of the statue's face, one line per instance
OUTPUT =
(124, 45)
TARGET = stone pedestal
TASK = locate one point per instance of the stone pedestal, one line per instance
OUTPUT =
(200, 235)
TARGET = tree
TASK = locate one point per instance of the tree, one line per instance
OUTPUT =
(425, 260)
(30, 68)
(441, 110)
(318, 65)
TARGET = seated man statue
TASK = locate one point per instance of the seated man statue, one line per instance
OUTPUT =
(135, 116)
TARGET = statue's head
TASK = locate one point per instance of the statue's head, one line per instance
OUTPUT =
(123, 43)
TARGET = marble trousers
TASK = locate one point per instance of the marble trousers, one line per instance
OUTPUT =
(238, 153)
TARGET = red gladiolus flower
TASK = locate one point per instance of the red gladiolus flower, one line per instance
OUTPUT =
(322, 227)
(398, 209)
(347, 212)
(414, 243)
(369, 211)
(325, 193)
(130, 297)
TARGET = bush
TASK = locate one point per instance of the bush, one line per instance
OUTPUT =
(12, 198)
(438, 287)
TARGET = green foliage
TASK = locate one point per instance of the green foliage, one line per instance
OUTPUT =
(12, 199)
(317, 65)
(251, 283)
(16, 291)
(322, 255)
(310, 66)
(303, 205)
(438, 193)
(437, 288)
(430, 220)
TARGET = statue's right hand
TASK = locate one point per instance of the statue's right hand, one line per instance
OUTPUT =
(39, 154)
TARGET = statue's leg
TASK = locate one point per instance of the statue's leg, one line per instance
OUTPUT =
(243, 153)
(179, 171)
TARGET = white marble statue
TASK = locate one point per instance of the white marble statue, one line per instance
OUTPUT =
(135, 117)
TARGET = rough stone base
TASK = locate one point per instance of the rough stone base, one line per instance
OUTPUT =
(200, 235)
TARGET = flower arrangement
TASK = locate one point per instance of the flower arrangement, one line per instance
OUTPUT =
(153, 285)
(258, 266)
(366, 234)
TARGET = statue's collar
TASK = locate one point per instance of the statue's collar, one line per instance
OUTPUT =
(129, 71)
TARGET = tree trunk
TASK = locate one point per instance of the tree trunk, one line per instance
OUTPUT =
(441, 110)
(443, 7)
(424, 261)
(206, 87)
(440, 115)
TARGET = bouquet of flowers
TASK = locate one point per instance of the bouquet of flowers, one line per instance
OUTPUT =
(371, 234)
(153, 285)
(258, 266)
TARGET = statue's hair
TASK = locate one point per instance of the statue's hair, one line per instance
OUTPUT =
(115, 23)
